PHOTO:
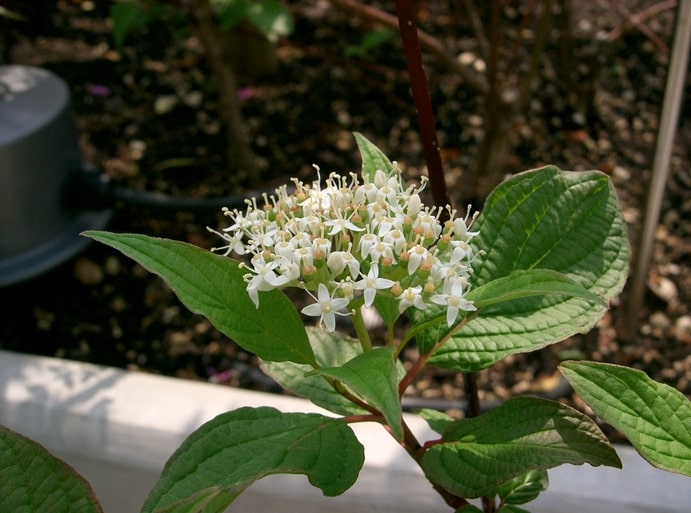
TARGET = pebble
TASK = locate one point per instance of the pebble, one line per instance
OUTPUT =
(682, 329)
(165, 103)
(88, 272)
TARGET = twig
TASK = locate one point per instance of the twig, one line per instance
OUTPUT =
(636, 21)
(470, 77)
(478, 30)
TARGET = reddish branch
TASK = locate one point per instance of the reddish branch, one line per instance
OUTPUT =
(418, 82)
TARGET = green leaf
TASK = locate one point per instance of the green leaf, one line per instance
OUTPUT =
(272, 19)
(213, 285)
(523, 488)
(521, 284)
(372, 376)
(655, 417)
(523, 434)
(227, 454)
(563, 221)
(125, 16)
(331, 350)
(373, 158)
(437, 421)
(34, 481)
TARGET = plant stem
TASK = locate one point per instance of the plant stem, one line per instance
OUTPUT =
(416, 451)
(422, 360)
(421, 98)
(472, 396)
(361, 330)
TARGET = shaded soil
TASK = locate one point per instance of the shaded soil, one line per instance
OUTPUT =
(147, 116)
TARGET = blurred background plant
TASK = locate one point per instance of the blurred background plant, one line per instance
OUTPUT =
(238, 37)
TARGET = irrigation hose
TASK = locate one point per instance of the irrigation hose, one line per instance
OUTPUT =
(89, 189)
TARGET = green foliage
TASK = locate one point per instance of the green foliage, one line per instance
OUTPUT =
(34, 481)
(270, 17)
(479, 454)
(230, 452)
(551, 252)
(655, 417)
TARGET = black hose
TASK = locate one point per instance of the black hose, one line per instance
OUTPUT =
(89, 189)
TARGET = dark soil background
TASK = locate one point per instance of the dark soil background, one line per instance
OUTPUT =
(147, 116)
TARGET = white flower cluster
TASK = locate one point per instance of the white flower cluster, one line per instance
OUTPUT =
(348, 242)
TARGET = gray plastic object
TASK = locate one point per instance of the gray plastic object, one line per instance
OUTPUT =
(38, 151)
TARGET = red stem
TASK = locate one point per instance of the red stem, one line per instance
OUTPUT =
(421, 98)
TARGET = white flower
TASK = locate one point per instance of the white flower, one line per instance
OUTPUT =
(416, 256)
(326, 307)
(235, 244)
(285, 249)
(367, 241)
(461, 250)
(371, 283)
(381, 250)
(453, 299)
(322, 237)
(414, 204)
(412, 296)
(365, 194)
(321, 246)
(339, 224)
(264, 279)
(339, 260)
(460, 226)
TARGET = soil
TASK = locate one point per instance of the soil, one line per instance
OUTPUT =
(147, 115)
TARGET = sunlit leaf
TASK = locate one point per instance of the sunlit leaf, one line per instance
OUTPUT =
(655, 417)
(481, 453)
(227, 454)
(213, 286)
(545, 219)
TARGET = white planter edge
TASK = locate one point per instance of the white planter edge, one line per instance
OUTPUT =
(117, 428)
